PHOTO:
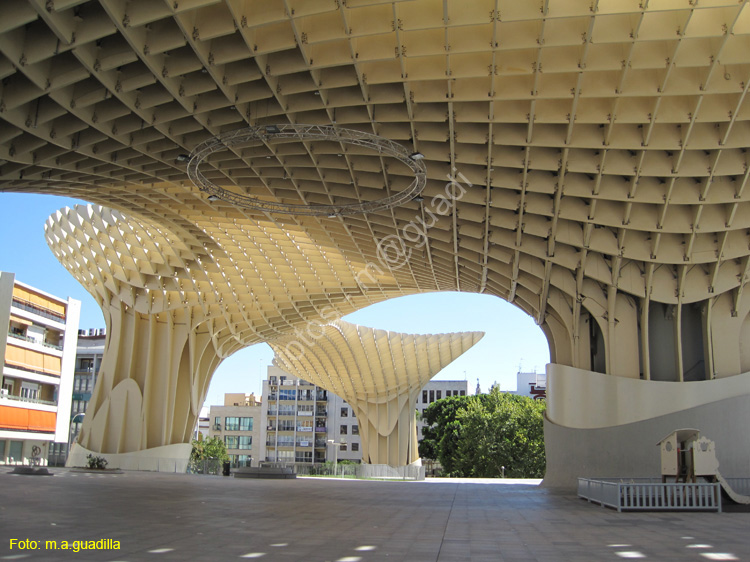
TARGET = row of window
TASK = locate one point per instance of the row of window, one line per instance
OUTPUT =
(83, 383)
(238, 441)
(343, 430)
(234, 423)
(438, 394)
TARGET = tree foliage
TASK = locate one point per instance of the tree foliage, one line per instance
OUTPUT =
(475, 436)
(212, 448)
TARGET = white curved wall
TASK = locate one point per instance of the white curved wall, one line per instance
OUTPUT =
(605, 426)
(586, 400)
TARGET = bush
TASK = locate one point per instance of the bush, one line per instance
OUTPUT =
(98, 463)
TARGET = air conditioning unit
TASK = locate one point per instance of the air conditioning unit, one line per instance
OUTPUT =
(3, 392)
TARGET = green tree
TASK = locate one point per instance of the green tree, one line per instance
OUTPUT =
(503, 430)
(475, 436)
(212, 448)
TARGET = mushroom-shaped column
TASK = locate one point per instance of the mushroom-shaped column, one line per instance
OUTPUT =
(379, 373)
(176, 301)
(160, 350)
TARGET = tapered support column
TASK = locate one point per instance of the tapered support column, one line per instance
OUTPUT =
(152, 382)
(388, 429)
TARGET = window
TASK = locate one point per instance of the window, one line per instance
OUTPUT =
(238, 424)
(285, 455)
(343, 447)
(342, 430)
(439, 394)
(231, 441)
(87, 365)
(355, 447)
(344, 412)
(463, 393)
(424, 397)
(16, 451)
(448, 393)
(355, 430)
(245, 442)
(78, 406)
(285, 440)
(286, 425)
(305, 425)
(29, 390)
(432, 396)
(287, 394)
(303, 456)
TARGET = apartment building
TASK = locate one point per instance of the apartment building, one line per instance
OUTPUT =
(238, 424)
(37, 377)
(295, 419)
(344, 429)
(89, 353)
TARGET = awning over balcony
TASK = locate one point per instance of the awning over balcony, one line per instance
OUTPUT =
(23, 419)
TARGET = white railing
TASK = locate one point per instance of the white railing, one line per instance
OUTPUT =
(648, 494)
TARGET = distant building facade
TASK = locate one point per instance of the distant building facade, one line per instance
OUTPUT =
(435, 390)
(37, 377)
(89, 353)
(238, 423)
(295, 419)
(533, 385)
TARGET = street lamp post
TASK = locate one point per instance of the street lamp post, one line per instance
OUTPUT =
(336, 447)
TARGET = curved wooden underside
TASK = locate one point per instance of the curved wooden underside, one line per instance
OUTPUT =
(585, 161)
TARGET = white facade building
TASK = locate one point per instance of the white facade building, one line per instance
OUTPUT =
(37, 376)
(435, 390)
(533, 385)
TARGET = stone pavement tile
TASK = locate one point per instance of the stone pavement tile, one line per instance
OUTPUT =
(216, 518)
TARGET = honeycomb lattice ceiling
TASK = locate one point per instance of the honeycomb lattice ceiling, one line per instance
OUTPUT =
(597, 141)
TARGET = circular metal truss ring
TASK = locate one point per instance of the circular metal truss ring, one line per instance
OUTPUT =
(272, 133)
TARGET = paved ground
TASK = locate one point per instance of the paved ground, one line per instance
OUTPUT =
(163, 517)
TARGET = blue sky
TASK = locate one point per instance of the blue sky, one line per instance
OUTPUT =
(512, 338)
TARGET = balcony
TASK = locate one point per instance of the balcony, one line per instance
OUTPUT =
(321, 430)
(24, 399)
(38, 310)
(32, 340)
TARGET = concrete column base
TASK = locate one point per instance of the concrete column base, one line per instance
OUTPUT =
(169, 458)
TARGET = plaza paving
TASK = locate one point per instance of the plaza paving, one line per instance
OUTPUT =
(166, 517)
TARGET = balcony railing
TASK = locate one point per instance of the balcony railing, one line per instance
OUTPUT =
(24, 399)
(38, 310)
(32, 340)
